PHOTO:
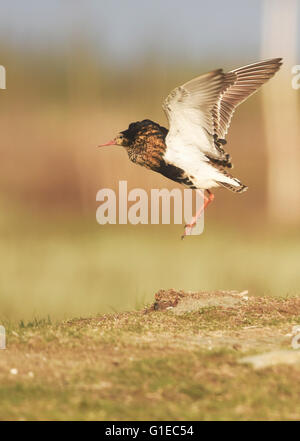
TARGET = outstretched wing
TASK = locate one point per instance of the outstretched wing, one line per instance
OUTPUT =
(201, 110)
(238, 85)
(189, 109)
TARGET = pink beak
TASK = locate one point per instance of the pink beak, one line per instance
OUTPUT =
(112, 142)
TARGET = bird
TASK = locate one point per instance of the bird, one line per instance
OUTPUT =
(191, 152)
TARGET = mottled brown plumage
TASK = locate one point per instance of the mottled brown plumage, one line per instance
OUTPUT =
(145, 145)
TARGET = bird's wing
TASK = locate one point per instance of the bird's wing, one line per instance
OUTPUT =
(238, 85)
(189, 109)
(201, 110)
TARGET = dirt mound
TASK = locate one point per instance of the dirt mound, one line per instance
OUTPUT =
(187, 301)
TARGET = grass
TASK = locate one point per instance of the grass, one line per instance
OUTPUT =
(152, 365)
(110, 365)
(69, 269)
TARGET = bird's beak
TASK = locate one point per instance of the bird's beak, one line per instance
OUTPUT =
(112, 142)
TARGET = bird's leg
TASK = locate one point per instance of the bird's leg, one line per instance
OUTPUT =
(188, 227)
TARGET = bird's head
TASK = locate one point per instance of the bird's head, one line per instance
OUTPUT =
(126, 137)
(120, 139)
(134, 135)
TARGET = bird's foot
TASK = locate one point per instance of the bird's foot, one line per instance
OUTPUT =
(188, 229)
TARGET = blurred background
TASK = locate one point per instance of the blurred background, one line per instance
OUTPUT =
(79, 72)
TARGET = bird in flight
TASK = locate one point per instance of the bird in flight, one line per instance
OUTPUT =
(199, 112)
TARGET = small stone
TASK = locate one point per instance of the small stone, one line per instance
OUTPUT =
(272, 358)
(244, 293)
(14, 371)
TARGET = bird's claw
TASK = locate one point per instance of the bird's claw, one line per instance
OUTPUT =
(187, 227)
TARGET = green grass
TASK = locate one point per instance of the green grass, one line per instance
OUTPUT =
(135, 366)
(71, 268)
(176, 396)
(153, 366)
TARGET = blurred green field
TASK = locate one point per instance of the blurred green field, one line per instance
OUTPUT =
(70, 267)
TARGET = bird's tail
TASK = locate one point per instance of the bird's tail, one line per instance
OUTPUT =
(236, 186)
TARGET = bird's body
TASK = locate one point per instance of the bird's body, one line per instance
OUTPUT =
(148, 148)
(199, 112)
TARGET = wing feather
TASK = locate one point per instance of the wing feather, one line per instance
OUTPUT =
(239, 84)
(204, 106)
(199, 114)
(189, 109)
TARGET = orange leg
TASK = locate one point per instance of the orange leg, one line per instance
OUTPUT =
(188, 227)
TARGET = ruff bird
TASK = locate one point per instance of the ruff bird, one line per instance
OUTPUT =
(199, 112)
